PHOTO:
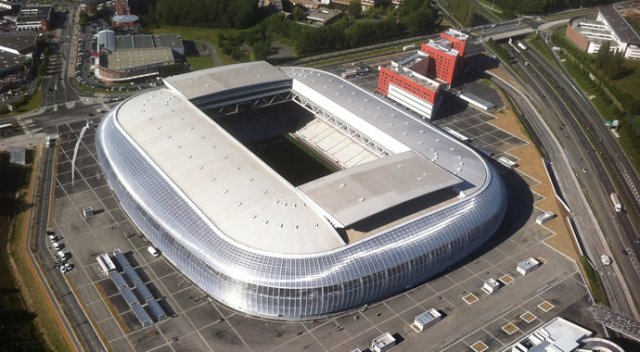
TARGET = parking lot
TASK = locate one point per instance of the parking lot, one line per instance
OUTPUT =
(198, 323)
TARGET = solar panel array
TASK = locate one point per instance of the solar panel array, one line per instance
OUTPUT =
(131, 299)
(135, 292)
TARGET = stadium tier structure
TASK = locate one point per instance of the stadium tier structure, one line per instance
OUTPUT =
(399, 203)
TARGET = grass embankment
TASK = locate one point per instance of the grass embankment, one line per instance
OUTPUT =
(200, 34)
(594, 282)
(535, 41)
(24, 307)
(495, 10)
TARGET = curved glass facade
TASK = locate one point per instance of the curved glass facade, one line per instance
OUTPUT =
(287, 286)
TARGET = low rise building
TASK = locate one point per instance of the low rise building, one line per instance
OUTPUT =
(426, 319)
(490, 286)
(562, 335)
(609, 26)
(126, 57)
(323, 16)
(123, 65)
(34, 18)
(383, 342)
(528, 265)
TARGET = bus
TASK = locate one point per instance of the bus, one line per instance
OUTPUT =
(617, 205)
(522, 45)
(6, 126)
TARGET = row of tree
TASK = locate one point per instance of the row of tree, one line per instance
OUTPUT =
(205, 13)
(413, 17)
(528, 7)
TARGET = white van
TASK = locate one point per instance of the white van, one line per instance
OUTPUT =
(62, 255)
(154, 252)
(57, 246)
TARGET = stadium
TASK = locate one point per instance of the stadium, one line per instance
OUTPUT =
(395, 201)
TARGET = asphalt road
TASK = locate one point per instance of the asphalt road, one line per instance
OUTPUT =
(604, 166)
(56, 88)
(46, 257)
(563, 117)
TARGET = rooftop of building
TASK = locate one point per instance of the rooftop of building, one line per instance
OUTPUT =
(196, 84)
(414, 66)
(124, 18)
(120, 60)
(557, 335)
(619, 24)
(19, 42)
(139, 41)
(456, 34)
(8, 60)
(442, 45)
(323, 14)
(31, 13)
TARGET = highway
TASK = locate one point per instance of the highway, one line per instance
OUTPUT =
(79, 324)
(564, 109)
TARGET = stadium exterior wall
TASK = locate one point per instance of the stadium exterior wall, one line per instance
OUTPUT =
(292, 287)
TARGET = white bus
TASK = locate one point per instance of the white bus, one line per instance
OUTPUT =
(617, 204)
(522, 45)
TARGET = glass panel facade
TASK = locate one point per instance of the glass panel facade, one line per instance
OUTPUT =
(286, 286)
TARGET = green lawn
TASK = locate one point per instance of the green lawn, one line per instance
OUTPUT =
(537, 43)
(209, 35)
(630, 83)
(200, 62)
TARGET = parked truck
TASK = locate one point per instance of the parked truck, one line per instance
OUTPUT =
(617, 204)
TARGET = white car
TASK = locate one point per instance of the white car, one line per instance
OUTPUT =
(63, 269)
(68, 266)
(154, 252)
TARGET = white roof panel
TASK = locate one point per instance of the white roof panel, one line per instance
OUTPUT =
(197, 84)
(366, 189)
(233, 189)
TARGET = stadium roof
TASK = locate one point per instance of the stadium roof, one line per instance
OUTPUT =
(234, 189)
(196, 84)
(258, 208)
(367, 189)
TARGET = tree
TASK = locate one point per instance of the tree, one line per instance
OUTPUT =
(462, 11)
(298, 13)
(355, 9)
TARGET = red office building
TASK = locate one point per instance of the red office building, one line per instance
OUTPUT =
(407, 83)
(415, 80)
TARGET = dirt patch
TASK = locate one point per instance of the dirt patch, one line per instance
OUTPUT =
(562, 239)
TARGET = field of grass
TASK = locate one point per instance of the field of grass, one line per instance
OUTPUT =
(537, 43)
(631, 82)
(200, 62)
(209, 35)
